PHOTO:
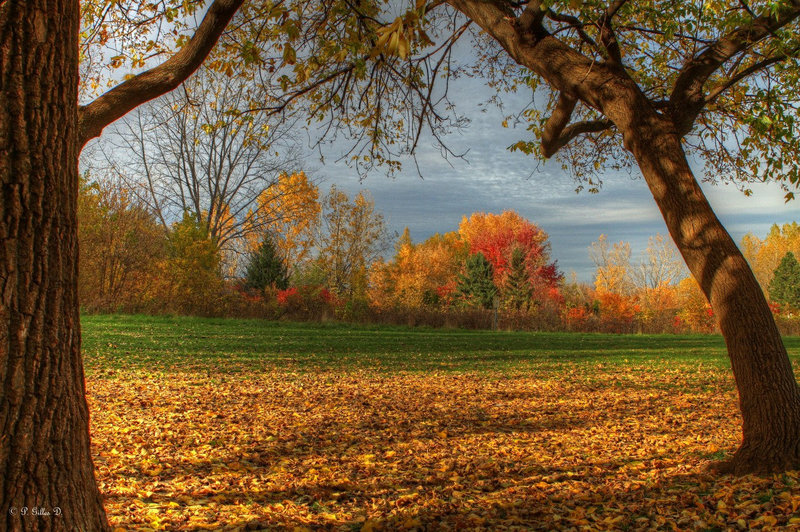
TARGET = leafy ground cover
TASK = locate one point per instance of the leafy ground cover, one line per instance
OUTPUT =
(245, 425)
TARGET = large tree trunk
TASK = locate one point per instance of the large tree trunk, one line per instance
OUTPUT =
(45, 462)
(769, 397)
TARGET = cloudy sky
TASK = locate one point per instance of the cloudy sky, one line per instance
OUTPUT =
(492, 179)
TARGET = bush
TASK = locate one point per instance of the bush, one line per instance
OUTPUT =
(306, 303)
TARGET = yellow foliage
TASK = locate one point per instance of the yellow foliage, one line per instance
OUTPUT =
(765, 255)
(695, 310)
(288, 210)
(417, 270)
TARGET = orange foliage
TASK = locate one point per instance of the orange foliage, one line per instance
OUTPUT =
(617, 306)
(288, 210)
(419, 274)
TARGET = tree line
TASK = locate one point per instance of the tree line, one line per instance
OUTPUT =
(322, 257)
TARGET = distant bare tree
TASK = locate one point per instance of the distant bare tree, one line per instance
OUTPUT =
(660, 265)
(202, 149)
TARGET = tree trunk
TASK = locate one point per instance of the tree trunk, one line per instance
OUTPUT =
(45, 462)
(769, 397)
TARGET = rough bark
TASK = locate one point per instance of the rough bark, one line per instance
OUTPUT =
(45, 462)
(768, 393)
(46, 474)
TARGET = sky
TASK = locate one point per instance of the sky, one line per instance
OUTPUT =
(493, 179)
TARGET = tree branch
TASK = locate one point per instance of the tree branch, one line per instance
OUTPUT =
(752, 69)
(687, 97)
(607, 35)
(557, 133)
(532, 17)
(574, 23)
(556, 123)
(574, 130)
(160, 79)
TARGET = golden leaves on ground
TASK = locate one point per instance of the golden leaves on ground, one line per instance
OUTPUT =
(583, 449)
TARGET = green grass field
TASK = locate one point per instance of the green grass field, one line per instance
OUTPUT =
(235, 345)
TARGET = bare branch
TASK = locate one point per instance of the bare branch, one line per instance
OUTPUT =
(158, 80)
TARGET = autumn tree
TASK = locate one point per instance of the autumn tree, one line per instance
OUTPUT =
(643, 289)
(352, 238)
(616, 84)
(45, 458)
(496, 236)
(785, 285)
(191, 281)
(613, 263)
(764, 255)
(121, 244)
(422, 274)
(287, 212)
(694, 310)
(659, 266)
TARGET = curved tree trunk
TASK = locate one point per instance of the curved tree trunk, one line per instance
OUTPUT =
(45, 462)
(769, 397)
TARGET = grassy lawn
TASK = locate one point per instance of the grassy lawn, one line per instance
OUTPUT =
(247, 425)
(232, 345)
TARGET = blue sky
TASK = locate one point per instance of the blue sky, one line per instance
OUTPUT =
(492, 179)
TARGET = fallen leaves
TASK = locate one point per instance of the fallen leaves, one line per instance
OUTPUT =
(589, 448)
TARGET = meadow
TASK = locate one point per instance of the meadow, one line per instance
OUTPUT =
(206, 424)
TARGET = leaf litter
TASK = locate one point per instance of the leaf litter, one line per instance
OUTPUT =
(590, 448)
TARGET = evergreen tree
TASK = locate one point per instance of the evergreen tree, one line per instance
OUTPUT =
(518, 289)
(785, 285)
(266, 268)
(476, 286)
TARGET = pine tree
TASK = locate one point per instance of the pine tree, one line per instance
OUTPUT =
(475, 285)
(518, 289)
(785, 285)
(266, 268)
